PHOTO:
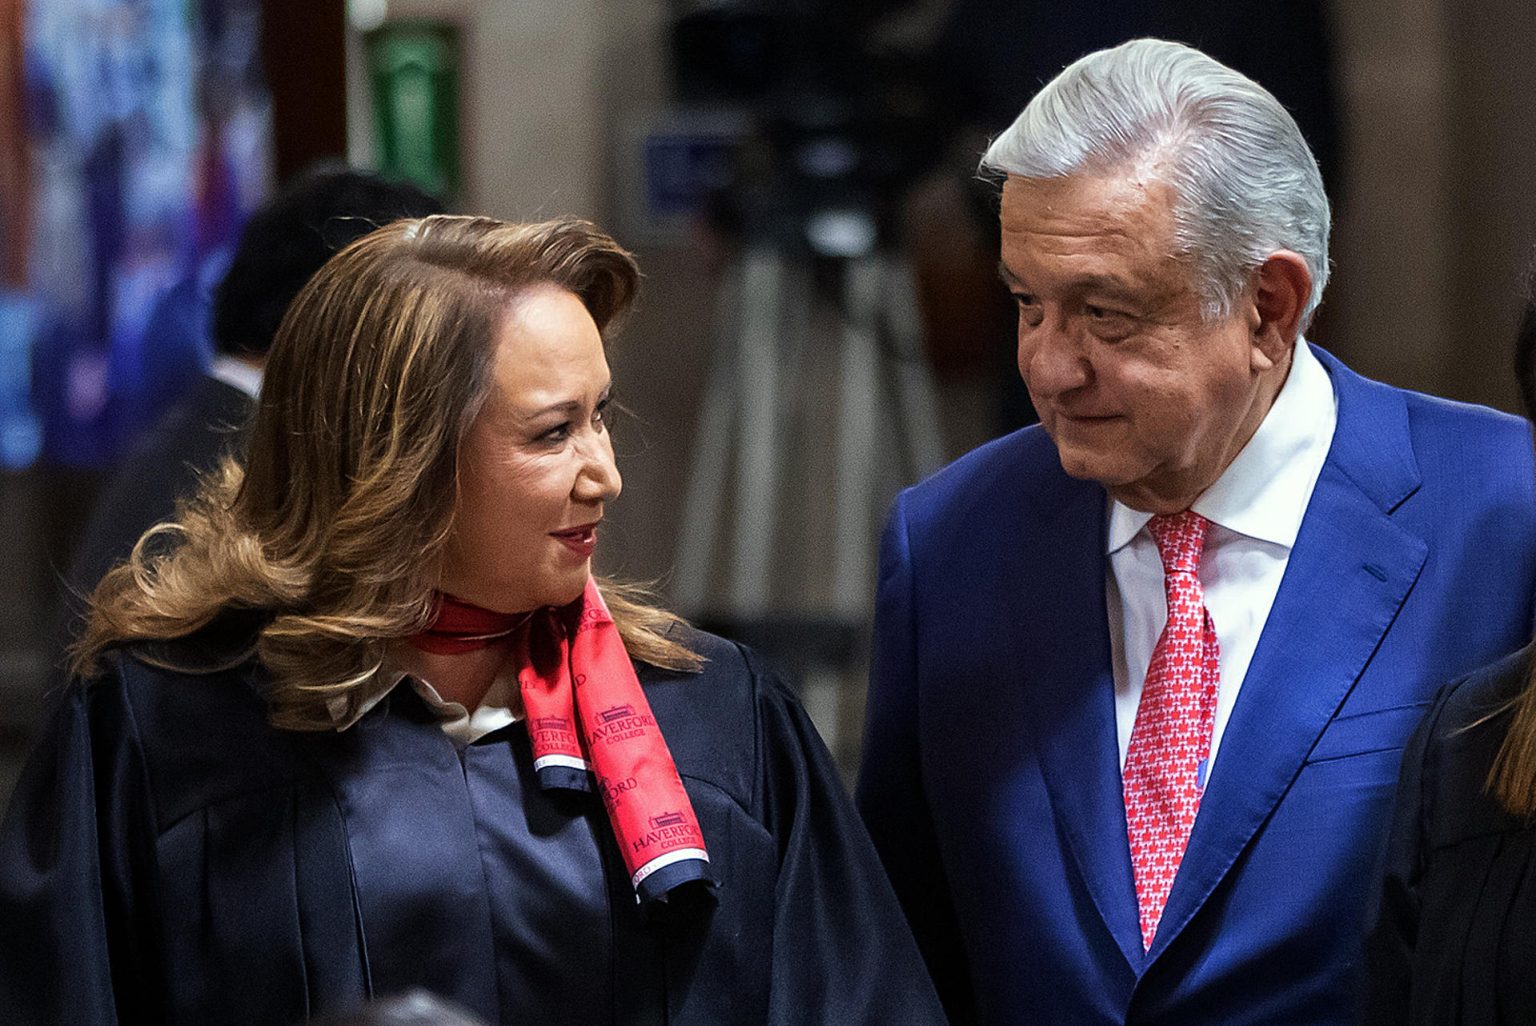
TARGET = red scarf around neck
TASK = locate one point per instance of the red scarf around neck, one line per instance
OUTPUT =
(588, 717)
(461, 626)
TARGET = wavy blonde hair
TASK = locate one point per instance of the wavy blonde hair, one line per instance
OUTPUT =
(1512, 777)
(333, 529)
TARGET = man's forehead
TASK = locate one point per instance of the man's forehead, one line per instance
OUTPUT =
(1107, 235)
(1093, 200)
(1107, 283)
(1101, 211)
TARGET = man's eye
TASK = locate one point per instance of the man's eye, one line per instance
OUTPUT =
(1104, 313)
(600, 415)
(1110, 325)
(1030, 314)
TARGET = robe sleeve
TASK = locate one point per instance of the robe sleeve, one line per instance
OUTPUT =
(1394, 923)
(73, 845)
(842, 951)
(891, 796)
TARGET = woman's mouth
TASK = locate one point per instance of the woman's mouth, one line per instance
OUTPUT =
(580, 540)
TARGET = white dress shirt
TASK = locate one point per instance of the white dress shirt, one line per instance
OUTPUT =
(1255, 508)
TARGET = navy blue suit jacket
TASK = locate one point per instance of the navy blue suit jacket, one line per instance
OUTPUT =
(991, 779)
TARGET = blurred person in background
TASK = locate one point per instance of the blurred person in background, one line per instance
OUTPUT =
(282, 245)
(361, 719)
(1143, 674)
(1455, 927)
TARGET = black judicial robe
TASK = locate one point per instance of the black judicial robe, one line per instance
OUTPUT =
(1454, 943)
(169, 857)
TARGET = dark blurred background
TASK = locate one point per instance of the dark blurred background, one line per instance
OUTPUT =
(820, 322)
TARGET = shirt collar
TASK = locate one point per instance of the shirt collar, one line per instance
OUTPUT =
(495, 711)
(346, 709)
(236, 374)
(1264, 491)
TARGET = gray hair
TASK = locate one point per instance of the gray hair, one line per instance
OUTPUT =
(1246, 182)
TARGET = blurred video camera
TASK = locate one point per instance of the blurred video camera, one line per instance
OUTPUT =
(839, 116)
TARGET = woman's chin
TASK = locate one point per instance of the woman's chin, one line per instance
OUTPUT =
(566, 590)
(559, 588)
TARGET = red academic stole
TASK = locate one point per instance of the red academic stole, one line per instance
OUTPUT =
(588, 717)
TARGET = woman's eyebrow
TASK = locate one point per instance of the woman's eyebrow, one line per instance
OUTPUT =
(565, 405)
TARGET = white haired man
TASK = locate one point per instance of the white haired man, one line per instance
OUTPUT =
(1143, 673)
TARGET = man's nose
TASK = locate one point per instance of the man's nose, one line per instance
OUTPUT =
(1051, 359)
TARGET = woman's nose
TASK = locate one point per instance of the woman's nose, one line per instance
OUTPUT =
(599, 480)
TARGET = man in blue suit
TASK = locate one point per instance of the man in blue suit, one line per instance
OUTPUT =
(1143, 673)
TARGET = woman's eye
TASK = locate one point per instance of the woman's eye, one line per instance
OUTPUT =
(558, 433)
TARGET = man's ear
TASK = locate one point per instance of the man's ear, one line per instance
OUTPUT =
(1282, 286)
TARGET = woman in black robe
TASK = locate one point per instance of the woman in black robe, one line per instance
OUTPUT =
(296, 770)
(1454, 942)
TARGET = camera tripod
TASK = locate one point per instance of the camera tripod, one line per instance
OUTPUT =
(758, 384)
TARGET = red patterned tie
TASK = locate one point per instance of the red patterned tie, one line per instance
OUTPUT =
(1165, 764)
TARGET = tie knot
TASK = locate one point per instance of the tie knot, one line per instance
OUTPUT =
(1180, 540)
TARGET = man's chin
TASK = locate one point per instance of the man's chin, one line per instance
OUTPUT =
(1097, 467)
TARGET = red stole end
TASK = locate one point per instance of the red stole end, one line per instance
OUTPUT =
(588, 718)
(586, 709)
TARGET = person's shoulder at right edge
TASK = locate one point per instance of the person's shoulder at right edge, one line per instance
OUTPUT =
(1443, 818)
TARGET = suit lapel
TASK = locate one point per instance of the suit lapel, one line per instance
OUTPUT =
(1349, 573)
(1071, 706)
